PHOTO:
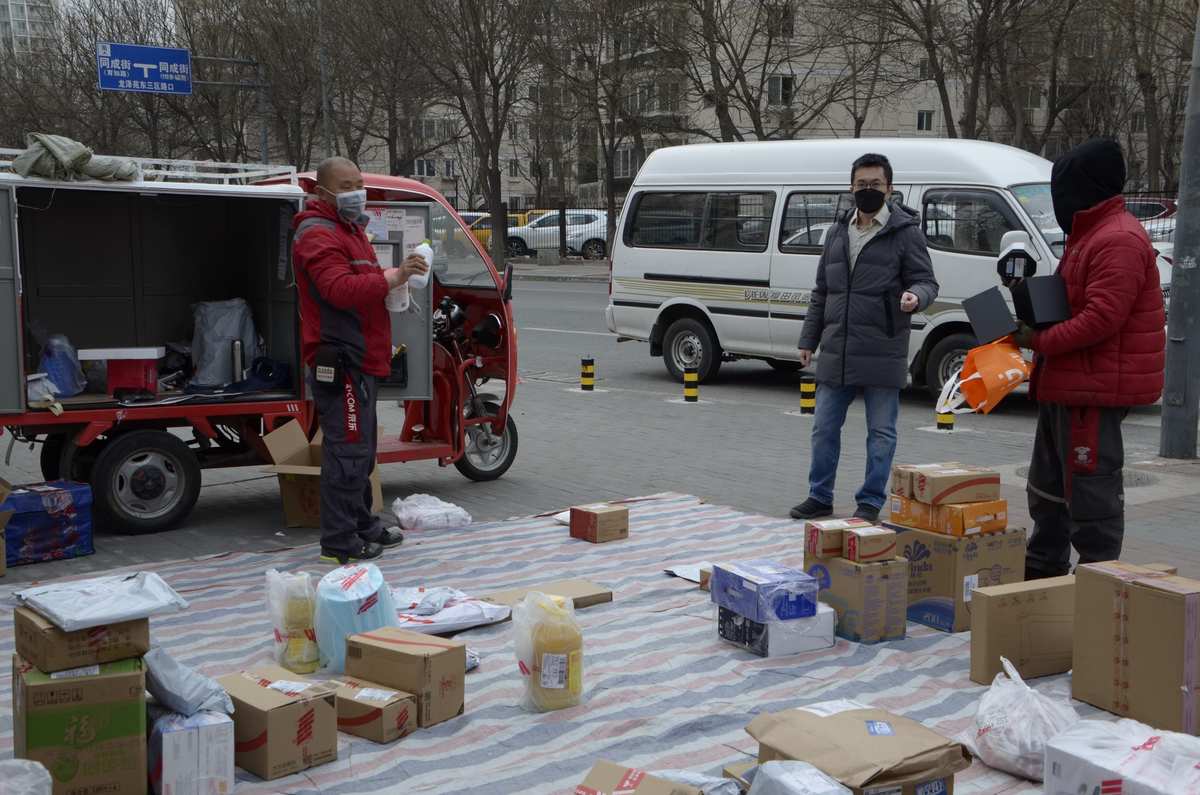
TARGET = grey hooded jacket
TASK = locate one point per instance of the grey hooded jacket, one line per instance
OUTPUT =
(855, 317)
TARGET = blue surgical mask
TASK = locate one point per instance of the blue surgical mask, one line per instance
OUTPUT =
(351, 205)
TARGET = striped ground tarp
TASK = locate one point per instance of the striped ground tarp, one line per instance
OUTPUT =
(662, 691)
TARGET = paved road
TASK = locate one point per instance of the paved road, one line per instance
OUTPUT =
(739, 446)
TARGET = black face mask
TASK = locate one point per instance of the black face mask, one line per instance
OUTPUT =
(869, 200)
(1089, 174)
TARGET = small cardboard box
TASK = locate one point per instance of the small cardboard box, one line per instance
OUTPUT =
(705, 578)
(1029, 623)
(191, 755)
(778, 638)
(582, 593)
(606, 778)
(431, 668)
(50, 649)
(823, 539)
(902, 475)
(868, 544)
(870, 598)
(297, 462)
(86, 725)
(600, 523)
(867, 750)
(1137, 644)
(373, 712)
(944, 572)
(966, 519)
(282, 725)
(763, 590)
(955, 485)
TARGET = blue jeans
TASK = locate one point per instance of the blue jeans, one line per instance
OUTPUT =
(883, 405)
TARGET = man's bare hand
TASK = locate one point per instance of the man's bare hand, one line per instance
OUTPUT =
(805, 357)
(909, 302)
(412, 266)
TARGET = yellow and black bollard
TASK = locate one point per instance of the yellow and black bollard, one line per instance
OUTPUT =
(808, 394)
(587, 374)
(945, 421)
(691, 385)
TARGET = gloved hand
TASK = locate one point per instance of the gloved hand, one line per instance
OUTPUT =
(1024, 336)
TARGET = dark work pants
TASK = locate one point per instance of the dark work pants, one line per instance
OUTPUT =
(1076, 493)
(346, 411)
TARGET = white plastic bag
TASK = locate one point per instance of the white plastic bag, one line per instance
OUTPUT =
(549, 646)
(24, 777)
(1140, 759)
(426, 512)
(84, 604)
(794, 778)
(458, 611)
(292, 602)
(422, 601)
(350, 599)
(182, 689)
(1013, 724)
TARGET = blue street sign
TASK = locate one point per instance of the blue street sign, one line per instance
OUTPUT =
(147, 70)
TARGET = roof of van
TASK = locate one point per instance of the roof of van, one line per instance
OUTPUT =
(827, 162)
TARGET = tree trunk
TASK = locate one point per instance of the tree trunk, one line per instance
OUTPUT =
(939, 79)
(1149, 87)
(495, 201)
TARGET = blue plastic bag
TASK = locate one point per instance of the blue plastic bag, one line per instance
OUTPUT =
(61, 363)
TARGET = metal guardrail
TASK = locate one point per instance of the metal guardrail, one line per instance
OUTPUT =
(170, 170)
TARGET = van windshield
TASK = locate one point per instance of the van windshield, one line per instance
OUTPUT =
(1035, 200)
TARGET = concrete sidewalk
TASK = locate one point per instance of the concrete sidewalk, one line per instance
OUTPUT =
(569, 271)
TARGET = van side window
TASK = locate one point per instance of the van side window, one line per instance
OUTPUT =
(738, 221)
(667, 220)
(807, 219)
(966, 221)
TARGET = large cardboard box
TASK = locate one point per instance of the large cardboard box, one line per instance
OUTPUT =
(763, 590)
(282, 724)
(952, 485)
(375, 713)
(944, 571)
(432, 669)
(582, 593)
(191, 755)
(600, 523)
(50, 649)
(965, 519)
(87, 725)
(868, 544)
(823, 538)
(606, 778)
(871, 599)
(1029, 623)
(297, 462)
(867, 750)
(1137, 644)
(902, 475)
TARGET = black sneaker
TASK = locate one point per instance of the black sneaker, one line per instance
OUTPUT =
(867, 512)
(368, 551)
(385, 531)
(811, 509)
(388, 537)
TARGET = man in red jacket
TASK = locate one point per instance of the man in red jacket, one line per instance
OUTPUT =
(346, 339)
(1091, 368)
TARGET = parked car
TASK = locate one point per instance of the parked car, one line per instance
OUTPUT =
(586, 234)
(812, 236)
(1161, 230)
(1145, 208)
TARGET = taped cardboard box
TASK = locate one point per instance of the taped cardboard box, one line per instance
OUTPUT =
(955, 485)
(868, 544)
(606, 778)
(582, 593)
(191, 755)
(823, 539)
(1137, 644)
(944, 571)
(600, 523)
(867, 750)
(86, 725)
(297, 462)
(51, 649)
(1029, 623)
(871, 599)
(967, 519)
(373, 712)
(778, 638)
(432, 669)
(902, 475)
(282, 724)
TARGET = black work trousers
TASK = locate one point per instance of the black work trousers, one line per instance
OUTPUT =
(346, 411)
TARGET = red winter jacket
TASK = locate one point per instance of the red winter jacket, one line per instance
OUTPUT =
(1112, 350)
(342, 290)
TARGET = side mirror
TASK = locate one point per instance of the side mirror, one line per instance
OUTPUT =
(508, 282)
(1018, 257)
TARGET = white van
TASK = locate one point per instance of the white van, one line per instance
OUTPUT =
(717, 245)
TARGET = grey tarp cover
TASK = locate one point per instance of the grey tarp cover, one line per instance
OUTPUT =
(59, 157)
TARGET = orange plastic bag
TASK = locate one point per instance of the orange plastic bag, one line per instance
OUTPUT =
(988, 375)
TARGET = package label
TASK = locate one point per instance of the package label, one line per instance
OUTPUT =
(289, 688)
(937, 787)
(970, 583)
(880, 728)
(826, 708)
(554, 671)
(375, 694)
(73, 673)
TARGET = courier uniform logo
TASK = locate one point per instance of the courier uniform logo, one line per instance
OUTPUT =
(1084, 456)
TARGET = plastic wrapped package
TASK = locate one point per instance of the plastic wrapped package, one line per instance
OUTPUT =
(190, 754)
(24, 777)
(1013, 724)
(778, 638)
(83, 604)
(426, 512)
(182, 689)
(292, 602)
(422, 601)
(350, 599)
(216, 325)
(60, 362)
(455, 611)
(549, 646)
(1092, 756)
(794, 778)
(39, 388)
(708, 785)
(763, 590)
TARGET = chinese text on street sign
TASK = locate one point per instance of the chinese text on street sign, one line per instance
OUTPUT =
(134, 67)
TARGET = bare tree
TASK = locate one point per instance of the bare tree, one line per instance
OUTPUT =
(874, 75)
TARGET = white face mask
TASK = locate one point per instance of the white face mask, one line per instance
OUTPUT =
(350, 205)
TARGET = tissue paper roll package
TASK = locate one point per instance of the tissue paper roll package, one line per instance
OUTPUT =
(350, 599)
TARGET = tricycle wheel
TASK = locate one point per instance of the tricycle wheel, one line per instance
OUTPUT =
(145, 481)
(52, 452)
(488, 456)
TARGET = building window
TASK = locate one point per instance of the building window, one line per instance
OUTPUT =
(924, 72)
(625, 164)
(668, 97)
(514, 132)
(514, 168)
(448, 169)
(779, 89)
(925, 120)
(1139, 122)
(1033, 97)
(782, 20)
(426, 168)
(429, 130)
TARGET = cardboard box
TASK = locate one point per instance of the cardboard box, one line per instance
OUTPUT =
(86, 725)
(955, 485)
(867, 750)
(1029, 623)
(282, 724)
(868, 544)
(823, 539)
(902, 475)
(606, 778)
(944, 571)
(1100, 757)
(1137, 644)
(737, 771)
(191, 755)
(432, 669)
(297, 462)
(376, 713)
(600, 523)
(582, 593)
(871, 599)
(705, 579)
(778, 638)
(50, 649)
(763, 590)
(965, 519)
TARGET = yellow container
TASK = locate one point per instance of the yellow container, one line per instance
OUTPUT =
(556, 680)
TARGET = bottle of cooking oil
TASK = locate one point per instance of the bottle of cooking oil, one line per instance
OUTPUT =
(301, 654)
(555, 649)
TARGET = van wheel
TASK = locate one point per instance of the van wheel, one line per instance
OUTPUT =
(690, 343)
(51, 457)
(145, 481)
(945, 359)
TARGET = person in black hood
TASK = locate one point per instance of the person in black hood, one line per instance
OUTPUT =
(1089, 174)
